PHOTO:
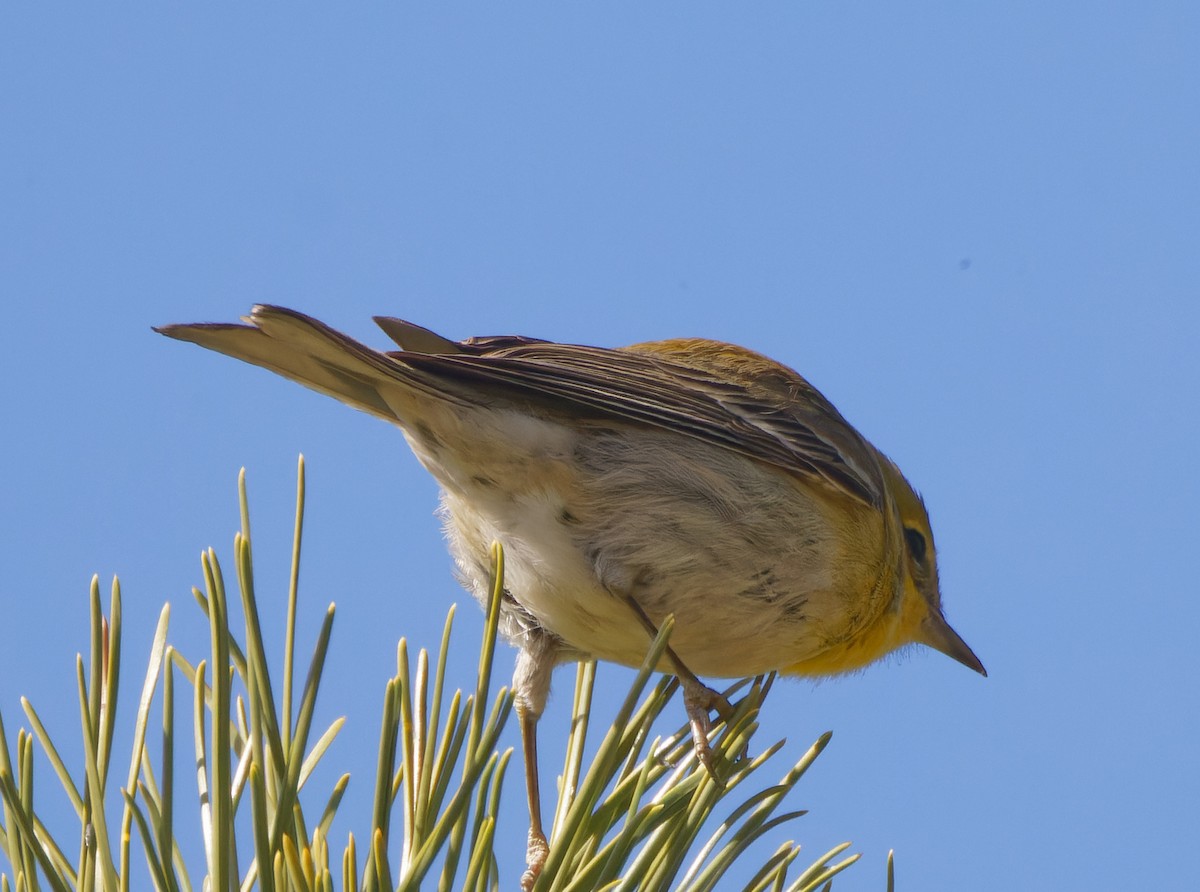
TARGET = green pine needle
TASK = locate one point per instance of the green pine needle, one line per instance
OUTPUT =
(639, 813)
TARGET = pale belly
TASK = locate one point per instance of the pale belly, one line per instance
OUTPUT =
(728, 546)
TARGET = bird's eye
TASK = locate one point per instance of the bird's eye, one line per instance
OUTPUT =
(916, 544)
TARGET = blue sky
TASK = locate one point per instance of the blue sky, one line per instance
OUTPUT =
(974, 227)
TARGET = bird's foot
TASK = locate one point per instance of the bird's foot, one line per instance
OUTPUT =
(535, 859)
(698, 700)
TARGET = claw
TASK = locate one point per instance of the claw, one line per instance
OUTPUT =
(535, 859)
(696, 701)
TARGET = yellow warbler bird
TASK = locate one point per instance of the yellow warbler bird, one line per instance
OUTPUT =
(684, 477)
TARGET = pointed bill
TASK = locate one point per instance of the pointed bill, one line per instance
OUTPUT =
(936, 633)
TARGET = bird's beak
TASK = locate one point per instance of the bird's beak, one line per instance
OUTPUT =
(936, 633)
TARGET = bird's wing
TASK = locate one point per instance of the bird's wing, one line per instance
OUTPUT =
(773, 415)
(717, 393)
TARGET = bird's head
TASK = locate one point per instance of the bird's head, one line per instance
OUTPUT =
(921, 619)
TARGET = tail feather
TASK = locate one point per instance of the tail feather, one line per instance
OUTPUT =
(306, 351)
(416, 339)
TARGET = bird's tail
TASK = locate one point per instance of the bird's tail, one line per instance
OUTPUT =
(310, 352)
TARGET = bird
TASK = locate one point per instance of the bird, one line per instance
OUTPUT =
(687, 477)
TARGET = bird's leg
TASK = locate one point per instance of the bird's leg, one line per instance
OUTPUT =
(698, 698)
(540, 652)
(538, 849)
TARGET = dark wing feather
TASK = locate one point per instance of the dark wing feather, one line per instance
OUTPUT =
(718, 394)
(797, 430)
